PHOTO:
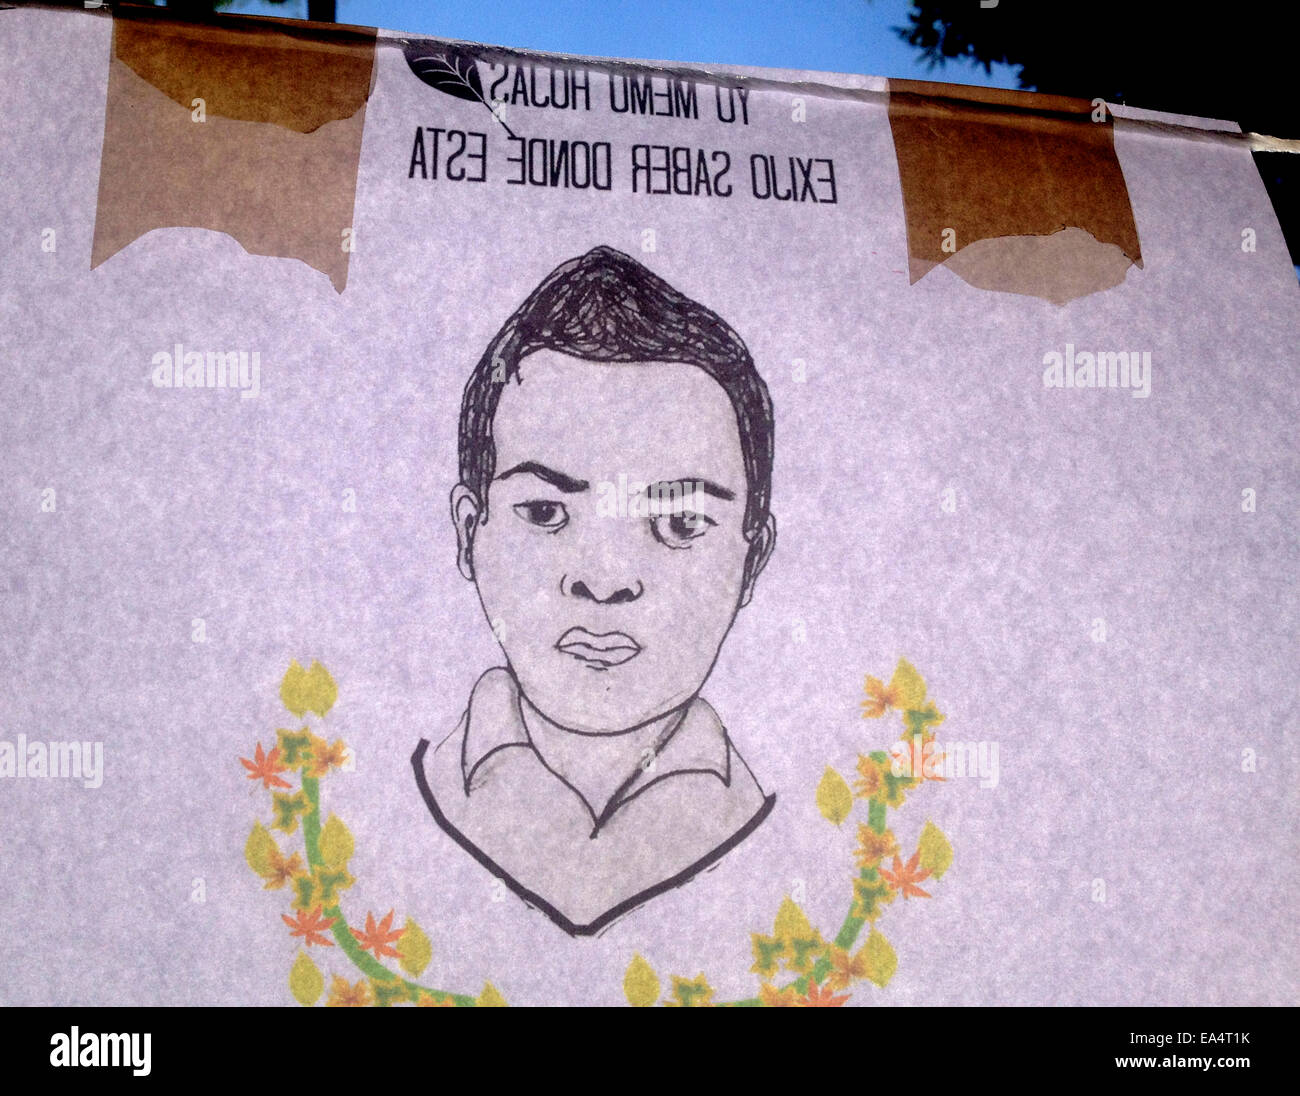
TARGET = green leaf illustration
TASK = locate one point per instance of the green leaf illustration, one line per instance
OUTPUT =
(834, 799)
(306, 982)
(310, 690)
(936, 852)
(336, 843)
(414, 949)
(259, 849)
(640, 983)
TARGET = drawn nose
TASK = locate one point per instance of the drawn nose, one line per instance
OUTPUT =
(613, 595)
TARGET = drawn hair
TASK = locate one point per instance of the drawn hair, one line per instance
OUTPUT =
(604, 306)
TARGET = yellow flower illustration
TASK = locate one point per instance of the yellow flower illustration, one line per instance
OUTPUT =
(871, 778)
(905, 691)
(874, 847)
(847, 969)
(282, 869)
(345, 995)
(778, 998)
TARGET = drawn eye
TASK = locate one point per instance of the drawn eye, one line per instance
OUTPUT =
(678, 530)
(545, 515)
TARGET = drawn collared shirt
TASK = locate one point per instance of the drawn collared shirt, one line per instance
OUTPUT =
(490, 789)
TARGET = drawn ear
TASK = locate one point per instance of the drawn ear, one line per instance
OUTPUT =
(760, 551)
(465, 512)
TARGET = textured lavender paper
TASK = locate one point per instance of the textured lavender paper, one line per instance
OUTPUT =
(1119, 761)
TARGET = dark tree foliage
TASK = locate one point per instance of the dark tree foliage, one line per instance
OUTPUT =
(1215, 60)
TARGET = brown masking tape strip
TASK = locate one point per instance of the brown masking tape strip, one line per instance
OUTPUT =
(992, 180)
(299, 75)
(273, 162)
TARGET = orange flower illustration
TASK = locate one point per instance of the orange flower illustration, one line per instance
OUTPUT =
(325, 756)
(284, 869)
(345, 995)
(904, 877)
(265, 766)
(379, 938)
(310, 926)
(880, 698)
(874, 847)
(905, 691)
(778, 998)
(846, 968)
(871, 779)
(821, 997)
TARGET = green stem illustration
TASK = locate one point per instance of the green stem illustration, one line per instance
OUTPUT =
(341, 932)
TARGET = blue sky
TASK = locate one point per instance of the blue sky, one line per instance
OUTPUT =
(831, 35)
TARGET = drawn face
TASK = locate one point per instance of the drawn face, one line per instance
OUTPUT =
(612, 560)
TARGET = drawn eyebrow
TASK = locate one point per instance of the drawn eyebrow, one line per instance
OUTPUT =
(567, 484)
(707, 486)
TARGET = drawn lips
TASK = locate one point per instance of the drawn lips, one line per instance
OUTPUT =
(598, 650)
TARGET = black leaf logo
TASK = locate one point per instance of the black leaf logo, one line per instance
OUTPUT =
(452, 70)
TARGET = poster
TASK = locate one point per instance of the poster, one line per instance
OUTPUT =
(495, 528)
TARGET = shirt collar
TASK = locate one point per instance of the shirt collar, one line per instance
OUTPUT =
(494, 722)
